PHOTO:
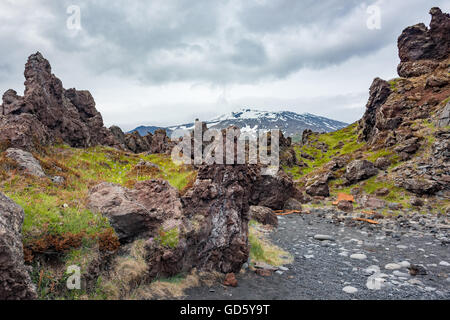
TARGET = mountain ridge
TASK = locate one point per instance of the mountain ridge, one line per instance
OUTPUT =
(251, 119)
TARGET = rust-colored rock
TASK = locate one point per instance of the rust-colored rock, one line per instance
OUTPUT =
(230, 280)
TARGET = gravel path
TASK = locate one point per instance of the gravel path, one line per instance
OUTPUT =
(361, 261)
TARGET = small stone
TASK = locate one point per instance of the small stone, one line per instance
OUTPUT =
(283, 268)
(323, 237)
(392, 266)
(279, 272)
(405, 264)
(401, 246)
(444, 264)
(308, 256)
(415, 270)
(415, 282)
(358, 256)
(58, 180)
(350, 289)
(264, 272)
(400, 274)
(371, 270)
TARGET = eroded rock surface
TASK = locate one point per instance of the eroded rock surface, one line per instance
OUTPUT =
(15, 283)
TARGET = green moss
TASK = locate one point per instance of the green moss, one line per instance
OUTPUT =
(373, 156)
(446, 101)
(169, 238)
(393, 83)
(340, 142)
(44, 213)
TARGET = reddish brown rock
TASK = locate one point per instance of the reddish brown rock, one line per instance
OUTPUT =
(230, 280)
(346, 206)
(263, 272)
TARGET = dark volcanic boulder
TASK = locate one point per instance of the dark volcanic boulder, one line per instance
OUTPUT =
(358, 170)
(318, 187)
(15, 283)
(421, 186)
(139, 212)
(272, 190)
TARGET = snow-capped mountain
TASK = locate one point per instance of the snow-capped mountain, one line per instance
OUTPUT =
(290, 123)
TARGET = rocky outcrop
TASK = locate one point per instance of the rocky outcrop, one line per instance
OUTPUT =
(424, 54)
(358, 170)
(136, 143)
(15, 283)
(219, 204)
(160, 142)
(263, 215)
(378, 94)
(421, 48)
(48, 113)
(26, 162)
(62, 115)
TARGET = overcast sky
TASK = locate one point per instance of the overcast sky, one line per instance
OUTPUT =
(166, 62)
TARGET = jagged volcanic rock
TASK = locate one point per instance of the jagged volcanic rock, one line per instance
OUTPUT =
(49, 112)
(421, 48)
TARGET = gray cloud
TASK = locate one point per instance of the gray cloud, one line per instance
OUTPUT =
(211, 43)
